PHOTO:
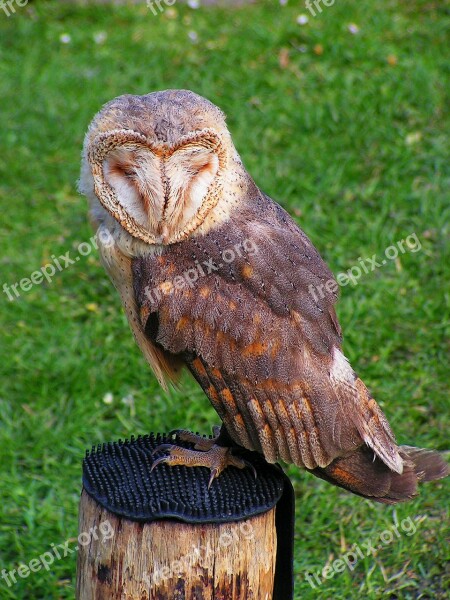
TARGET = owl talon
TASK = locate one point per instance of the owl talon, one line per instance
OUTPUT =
(158, 461)
(216, 459)
(250, 466)
(161, 448)
(214, 473)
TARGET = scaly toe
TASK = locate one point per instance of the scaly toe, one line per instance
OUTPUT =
(216, 459)
(200, 442)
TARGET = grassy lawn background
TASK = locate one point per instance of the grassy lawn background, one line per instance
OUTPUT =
(346, 130)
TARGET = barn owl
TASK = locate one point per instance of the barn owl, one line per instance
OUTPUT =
(215, 276)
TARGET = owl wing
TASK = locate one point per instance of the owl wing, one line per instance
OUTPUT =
(249, 308)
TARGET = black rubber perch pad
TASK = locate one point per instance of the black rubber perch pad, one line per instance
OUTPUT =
(117, 475)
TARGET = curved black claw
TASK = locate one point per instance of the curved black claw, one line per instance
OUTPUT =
(250, 466)
(214, 473)
(158, 461)
(161, 448)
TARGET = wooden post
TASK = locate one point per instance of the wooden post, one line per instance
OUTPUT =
(119, 559)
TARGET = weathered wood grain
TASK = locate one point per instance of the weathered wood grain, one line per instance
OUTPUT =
(170, 560)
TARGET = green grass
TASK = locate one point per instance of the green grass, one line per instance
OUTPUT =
(349, 136)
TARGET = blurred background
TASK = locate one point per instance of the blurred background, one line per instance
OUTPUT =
(340, 113)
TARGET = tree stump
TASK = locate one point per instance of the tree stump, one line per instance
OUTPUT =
(164, 535)
(170, 560)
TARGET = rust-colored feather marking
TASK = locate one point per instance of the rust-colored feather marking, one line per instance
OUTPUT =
(247, 271)
(256, 413)
(183, 323)
(221, 398)
(375, 429)
(270, 400)
(199, 368)
(315, 445)
(232, 404)
(344, 477)
(302, 453)
(255, 349)
(238, 427)
(271, 425)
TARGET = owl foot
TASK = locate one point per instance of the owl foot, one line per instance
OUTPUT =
(215, 458)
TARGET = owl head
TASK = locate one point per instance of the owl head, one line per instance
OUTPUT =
(158, 163)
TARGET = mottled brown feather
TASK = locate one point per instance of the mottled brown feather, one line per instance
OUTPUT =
(252, 334)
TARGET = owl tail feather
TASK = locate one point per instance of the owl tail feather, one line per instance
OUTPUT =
(366, 475)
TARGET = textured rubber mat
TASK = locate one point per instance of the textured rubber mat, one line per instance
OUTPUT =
(117, 475)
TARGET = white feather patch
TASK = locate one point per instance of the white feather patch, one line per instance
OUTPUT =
(341, 371)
